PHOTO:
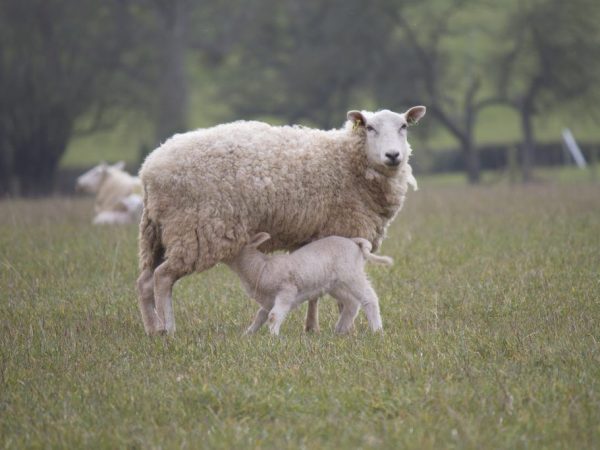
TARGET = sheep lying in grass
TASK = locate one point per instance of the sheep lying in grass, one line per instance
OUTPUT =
(118, 194)
(208, 191)
(333, 265)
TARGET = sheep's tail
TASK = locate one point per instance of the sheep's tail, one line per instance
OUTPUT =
(365, 247)
(151, 251)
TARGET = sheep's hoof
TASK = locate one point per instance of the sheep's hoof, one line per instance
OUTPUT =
(158, 332)
(312, 329)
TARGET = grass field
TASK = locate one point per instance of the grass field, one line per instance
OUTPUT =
(492, 327)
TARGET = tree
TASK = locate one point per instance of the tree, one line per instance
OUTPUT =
(439, 57)
(302, 61)
(60, 61)
(549, 62)
(170, 44)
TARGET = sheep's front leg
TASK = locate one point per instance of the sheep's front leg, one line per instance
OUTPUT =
(261, 317)
(282, 306)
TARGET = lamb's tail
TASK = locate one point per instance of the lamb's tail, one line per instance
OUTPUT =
(151, 251)
(365, 247)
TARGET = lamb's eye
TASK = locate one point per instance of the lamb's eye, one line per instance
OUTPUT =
(370, 128)
(403, 127)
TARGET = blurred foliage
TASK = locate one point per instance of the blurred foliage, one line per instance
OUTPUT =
(153, 67)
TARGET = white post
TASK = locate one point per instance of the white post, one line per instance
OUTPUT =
(573, 148)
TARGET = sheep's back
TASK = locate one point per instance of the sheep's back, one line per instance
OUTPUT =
(276, 179)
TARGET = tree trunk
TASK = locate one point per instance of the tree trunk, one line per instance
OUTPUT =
(528, 146)
(471, 160)
(173, 90)
(38, 154)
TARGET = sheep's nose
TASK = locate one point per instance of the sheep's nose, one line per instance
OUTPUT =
(393, 157)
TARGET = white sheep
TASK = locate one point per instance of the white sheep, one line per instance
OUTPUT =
(208, 191)
(118, 194)
(333, 265)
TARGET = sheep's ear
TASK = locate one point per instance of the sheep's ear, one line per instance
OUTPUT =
(259, 238)
(414, 114)
(357, 118)
(120, 165)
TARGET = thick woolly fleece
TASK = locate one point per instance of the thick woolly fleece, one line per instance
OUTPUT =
(207, 192)
(116, 186)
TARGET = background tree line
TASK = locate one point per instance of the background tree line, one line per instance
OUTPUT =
(70, 68)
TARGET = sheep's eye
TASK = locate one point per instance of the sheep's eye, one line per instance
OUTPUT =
(370, 128)
(403, 127)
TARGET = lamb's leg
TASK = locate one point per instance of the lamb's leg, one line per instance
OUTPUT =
(282, 306)
(261, 317)
(145, 288)
(345, 323)
(348, 305)
(370, 303)
(164, 279)
(312, 316)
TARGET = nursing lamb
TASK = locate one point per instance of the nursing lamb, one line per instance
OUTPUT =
(333, 265)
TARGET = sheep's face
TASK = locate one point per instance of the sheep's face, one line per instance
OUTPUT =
(91, 181)
(386, 135)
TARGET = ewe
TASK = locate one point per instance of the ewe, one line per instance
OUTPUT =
(333, 265)
(118, 194)
(208, 191)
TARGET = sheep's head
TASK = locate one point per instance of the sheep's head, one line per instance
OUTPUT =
(91, 181)
(386, 135)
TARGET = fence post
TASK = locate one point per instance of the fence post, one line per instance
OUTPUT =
(513, 164)
(594, 162)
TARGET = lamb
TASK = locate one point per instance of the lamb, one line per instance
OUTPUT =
(118, 194)
(208, 191)
(333, 265)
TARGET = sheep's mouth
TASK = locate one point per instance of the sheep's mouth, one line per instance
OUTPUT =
(395, 163)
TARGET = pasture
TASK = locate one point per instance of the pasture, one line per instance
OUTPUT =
(491, 315)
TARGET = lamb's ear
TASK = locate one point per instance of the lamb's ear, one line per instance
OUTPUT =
(414, 114)
(357, 118)
(259, 238)
(119, 165)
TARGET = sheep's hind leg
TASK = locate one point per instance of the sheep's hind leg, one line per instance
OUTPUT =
(312, 316)
(261, 317)
(145, 288)
(164, 278)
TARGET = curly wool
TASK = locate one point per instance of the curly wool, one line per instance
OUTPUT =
(208, 191)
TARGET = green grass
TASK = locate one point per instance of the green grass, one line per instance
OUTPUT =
(492, 327)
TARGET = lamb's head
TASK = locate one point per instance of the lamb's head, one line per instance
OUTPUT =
(91, 181)
(386, 135)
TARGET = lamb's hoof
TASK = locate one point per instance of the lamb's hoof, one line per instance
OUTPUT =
(312, 329)
(344, 331)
